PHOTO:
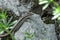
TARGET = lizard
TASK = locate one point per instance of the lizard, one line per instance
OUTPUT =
(18, 25)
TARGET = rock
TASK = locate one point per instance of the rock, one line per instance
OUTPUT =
(15, 6)
(10, 4)
(35, 29)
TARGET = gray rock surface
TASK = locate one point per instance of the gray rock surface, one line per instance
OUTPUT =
(35, 26)
(15, 6)
(10, 4)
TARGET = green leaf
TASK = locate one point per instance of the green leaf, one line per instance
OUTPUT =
(27, 33)
(45, 6)
(1, 25)
(4, 22)
(50, 0)
(56, 13)
(11, 24)
(32, 35)
(10, 20)
(1, 31)
(4, 25)
(55, 16)
(59, 18)
(43, 2)
(57, 9)
(3, 15)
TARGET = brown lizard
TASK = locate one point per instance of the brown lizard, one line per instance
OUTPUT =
(18, 24)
